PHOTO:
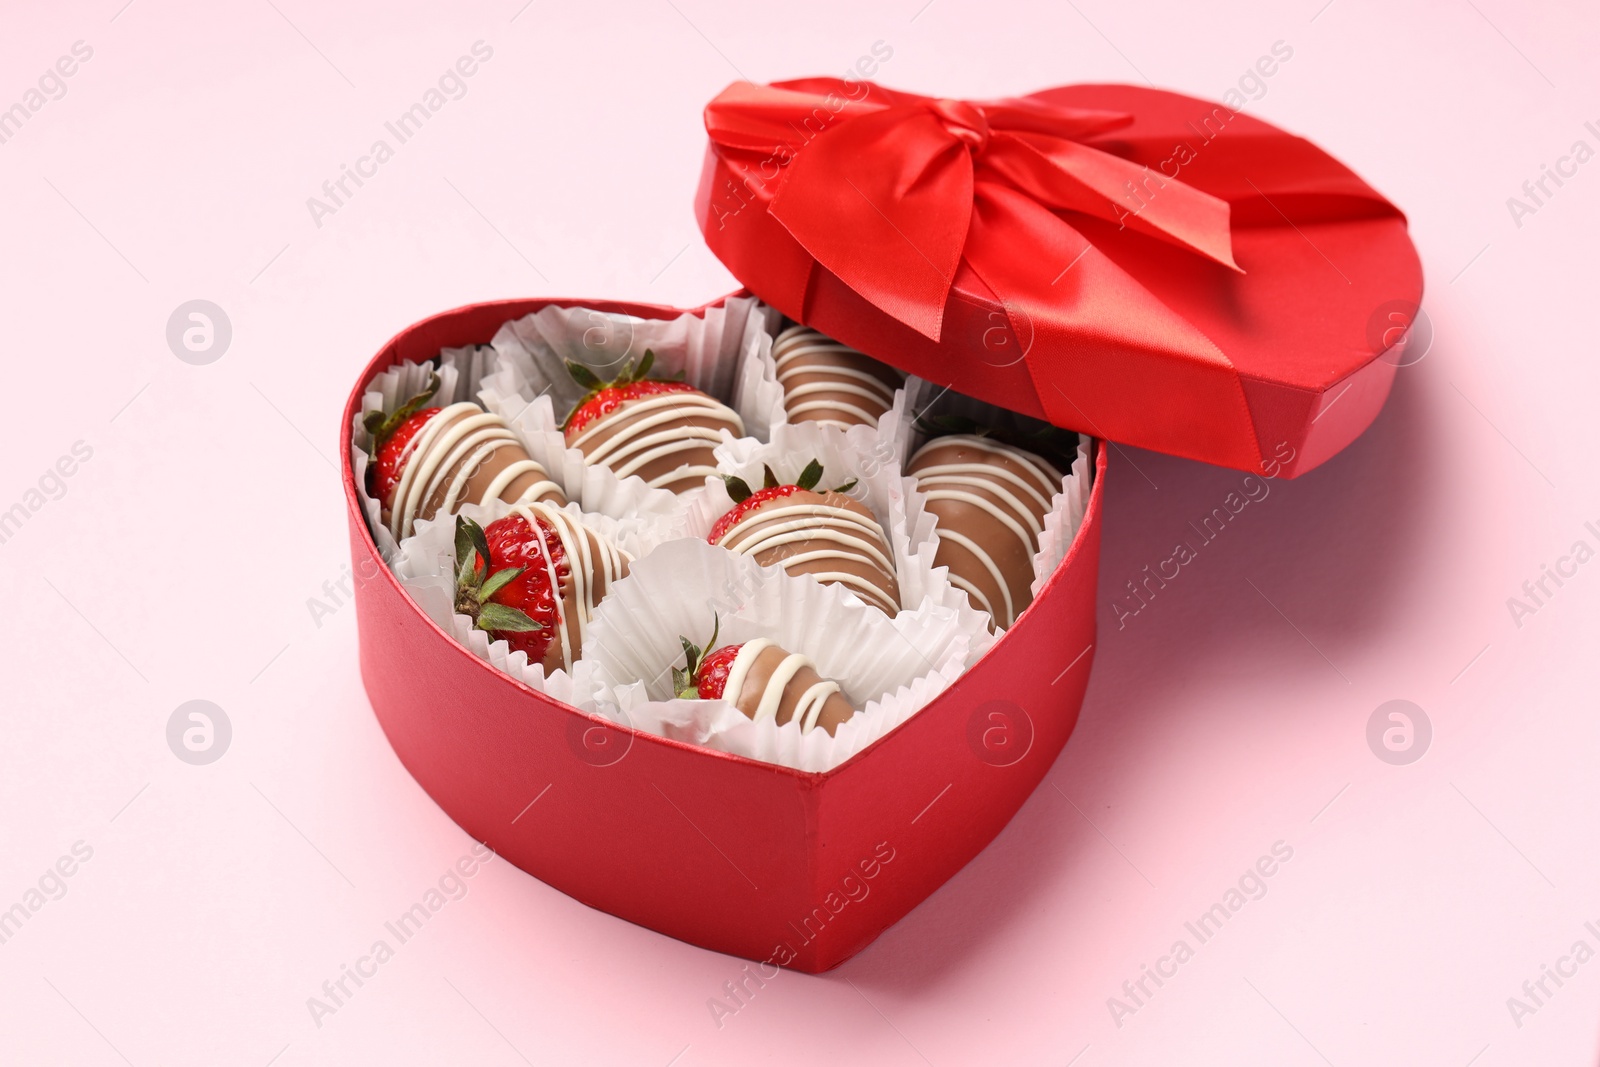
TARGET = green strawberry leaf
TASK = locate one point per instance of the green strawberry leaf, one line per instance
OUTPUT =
(768, 479)
(685, 684)
(583, 375)
(480, 542)
(414, 405)
(399, 415)
(691, 655)
(498, 581)
(467, 561)
(463, 540)
(738, 488)
(810, 476)
(644, 366)
(847, 486)
(501, 619)
(373, 421)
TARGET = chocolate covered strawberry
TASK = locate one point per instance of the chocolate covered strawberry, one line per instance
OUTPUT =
(829, 536)
(662, 430)
(428, 461)
(990, 501)
(763, 681)
(533, 579)
(391, 439)
(831, 383)
(604, 397)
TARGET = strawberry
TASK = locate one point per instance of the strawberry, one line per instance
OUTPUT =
(602, 398)
(747, 500)
(704, 677)
(503, 584)
(390, 435)
(712, 677)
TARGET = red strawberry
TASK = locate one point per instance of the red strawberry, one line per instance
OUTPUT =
(602, 398)
(504, 584)
(747, 500)
(390, 435)
(388, 468)
(704, 678)
(712, 676)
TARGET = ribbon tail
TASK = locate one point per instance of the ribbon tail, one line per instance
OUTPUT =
(1075, 177)
(1106, 356)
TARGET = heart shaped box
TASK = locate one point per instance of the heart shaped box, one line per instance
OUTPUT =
(801, 869)
(756, 860)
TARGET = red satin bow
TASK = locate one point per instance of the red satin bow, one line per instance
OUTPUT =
(886, 194)
(896, 194)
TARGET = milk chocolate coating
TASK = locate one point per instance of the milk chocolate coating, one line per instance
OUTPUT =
(593, 566)
(990, 500)
(434, 467)
(825, 381)
(835, 710)
(664, 438)
(483, 475)
(831, 536)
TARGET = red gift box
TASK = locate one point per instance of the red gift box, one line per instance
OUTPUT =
(805, 869)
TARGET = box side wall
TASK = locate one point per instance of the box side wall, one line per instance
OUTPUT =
(705, 849)
(942, 786)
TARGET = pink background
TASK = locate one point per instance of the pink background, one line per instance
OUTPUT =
(1228, 715)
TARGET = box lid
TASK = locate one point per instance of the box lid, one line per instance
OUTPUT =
(1147, 267)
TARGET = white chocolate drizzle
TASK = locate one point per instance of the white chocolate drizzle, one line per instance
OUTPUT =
(656, 427)
(460, 437)
(807, 709)
(956, 481)
(587, 554)
(830, 532)
(865, 395)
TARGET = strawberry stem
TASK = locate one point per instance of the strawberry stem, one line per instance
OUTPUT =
(476, 583)
(593, 385)
(685, 686)
(380, 426)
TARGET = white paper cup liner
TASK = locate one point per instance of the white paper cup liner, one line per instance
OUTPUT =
(1065, 516)
(459, 370)
(888, 668)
